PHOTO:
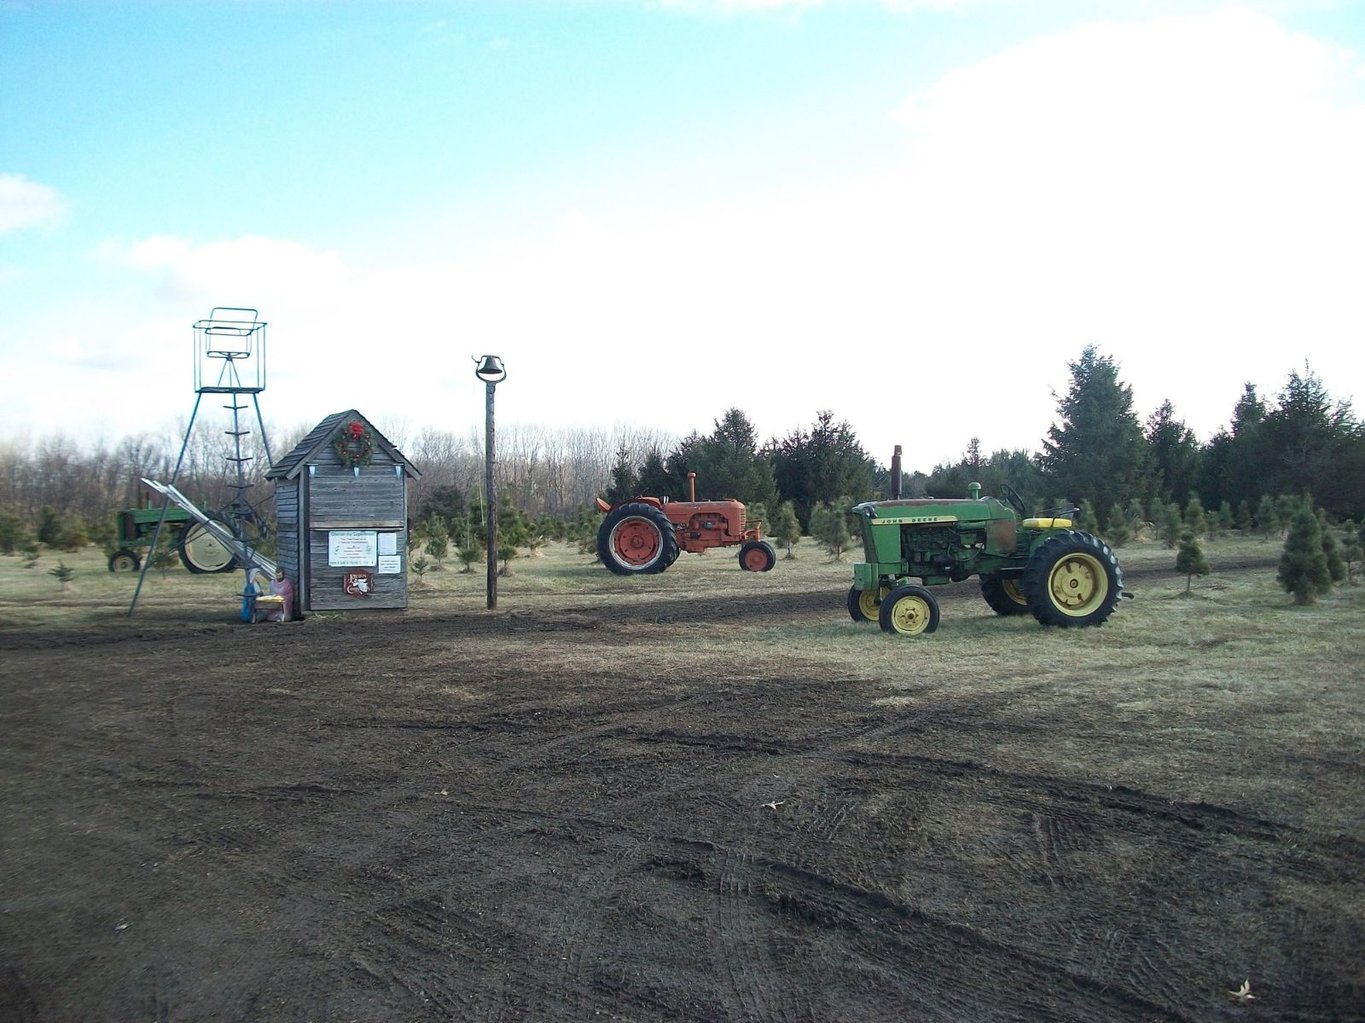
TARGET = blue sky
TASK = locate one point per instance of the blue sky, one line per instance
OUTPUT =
(914, 214)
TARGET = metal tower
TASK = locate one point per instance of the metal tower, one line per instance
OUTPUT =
(229, 359)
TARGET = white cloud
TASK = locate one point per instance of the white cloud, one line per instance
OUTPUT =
(24, 203)
(1181, 191)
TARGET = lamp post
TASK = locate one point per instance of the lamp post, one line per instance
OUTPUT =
(491, 372)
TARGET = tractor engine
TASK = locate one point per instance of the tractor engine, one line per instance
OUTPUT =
(941, 551)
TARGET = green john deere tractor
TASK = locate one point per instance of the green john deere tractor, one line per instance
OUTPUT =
(1026, 564)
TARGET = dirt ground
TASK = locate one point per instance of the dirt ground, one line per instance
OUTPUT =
(399, 818)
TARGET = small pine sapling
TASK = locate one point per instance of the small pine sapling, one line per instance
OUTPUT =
(830, 530)
(786, 527)
(1189, 558)
(1195, 517)
(468, 555)
(63, 573)
(1331, 549)
(1116, 529)
(1351, 551)
(1171, 525)
(1267, 517)
(1303, 569)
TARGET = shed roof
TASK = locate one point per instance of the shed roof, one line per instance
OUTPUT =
(320, 439)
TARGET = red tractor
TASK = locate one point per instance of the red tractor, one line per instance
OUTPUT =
(644, 535)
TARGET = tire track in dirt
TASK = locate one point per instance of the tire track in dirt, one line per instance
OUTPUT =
(1063, 817)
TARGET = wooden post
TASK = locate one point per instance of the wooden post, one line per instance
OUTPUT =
(491, 506)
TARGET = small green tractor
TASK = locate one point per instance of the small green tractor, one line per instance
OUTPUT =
(1041, 565)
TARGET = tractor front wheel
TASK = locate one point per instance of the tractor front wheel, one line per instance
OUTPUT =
(757, 556)
(1004, 595)
(1073, 579)
(636, 539)
(864, 605)
(124, 560)
(908, 611)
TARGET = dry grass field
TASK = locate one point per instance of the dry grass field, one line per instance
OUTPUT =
(705, 795)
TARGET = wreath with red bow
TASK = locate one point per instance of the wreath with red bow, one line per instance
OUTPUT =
(354, 444)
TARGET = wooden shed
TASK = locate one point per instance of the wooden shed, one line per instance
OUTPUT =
(341, 504)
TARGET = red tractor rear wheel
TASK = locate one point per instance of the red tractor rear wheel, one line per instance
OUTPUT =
(636, 539)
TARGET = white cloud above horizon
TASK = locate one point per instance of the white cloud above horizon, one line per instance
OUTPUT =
(25, 203)
(1181, 191)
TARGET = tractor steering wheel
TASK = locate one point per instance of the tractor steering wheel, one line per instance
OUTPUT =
(1015, 501)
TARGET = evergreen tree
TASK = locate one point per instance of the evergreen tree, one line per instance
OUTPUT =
(756, 516)
(829, 528)
(1233, 461)
(1171, 525)
(1351, 551)
(164, 556)
(1085, 517)
(1190, 559)
(1194, 515)
(655, 479)
(624, 482)
(63, 573)
(1098, 450)
(1156, 512)
(785, 529)
(438, 539)
(728, 463)
(1331, 550)
(444, 501)
(1267, 517)
(1135, 518)
(12, 530)
(1242, 523)
(821, 465)
(1306, 439)
(1175, 453)
(1285, 507)
(469, 553)
(1303, 567)
(1116, 530)
(1016, 468)
(49, 527)
(1225, 518)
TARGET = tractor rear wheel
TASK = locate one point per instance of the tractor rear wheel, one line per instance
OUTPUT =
(124, 560)
(908, 611)
(757, 556)
(202, 551)
(864, 605)
(636, 539)
(1073, 579)
(1005, 594)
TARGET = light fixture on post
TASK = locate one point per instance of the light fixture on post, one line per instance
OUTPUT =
(490, 370)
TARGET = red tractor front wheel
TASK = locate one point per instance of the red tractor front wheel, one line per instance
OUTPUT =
(757, 556)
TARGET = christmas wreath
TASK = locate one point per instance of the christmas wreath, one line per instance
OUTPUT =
(354, 444)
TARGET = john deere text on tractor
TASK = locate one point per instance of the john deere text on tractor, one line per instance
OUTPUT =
(644, 535)
(1026, 564)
